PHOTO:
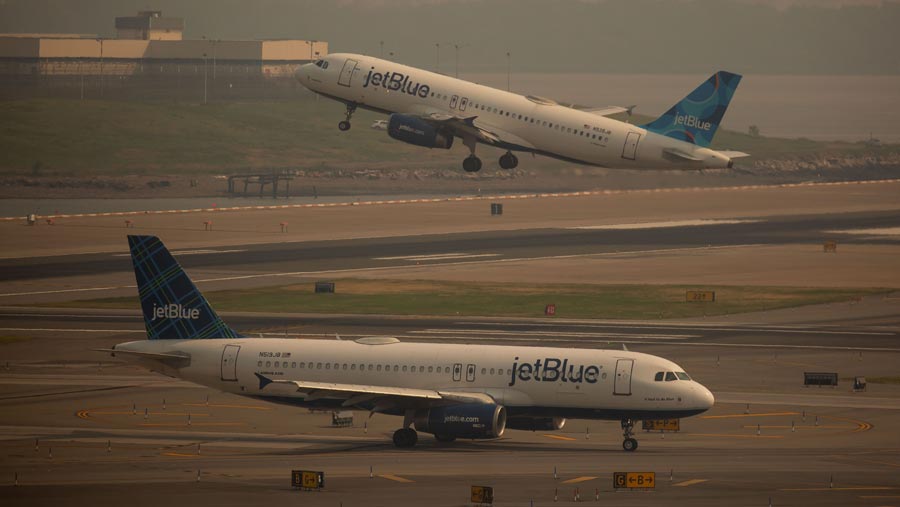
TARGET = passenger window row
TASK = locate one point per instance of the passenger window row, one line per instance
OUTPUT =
(526, 119)
(371, 367)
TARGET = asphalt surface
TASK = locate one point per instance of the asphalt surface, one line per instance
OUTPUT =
(516, 244)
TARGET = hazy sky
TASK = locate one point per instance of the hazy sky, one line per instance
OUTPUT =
(621, 36)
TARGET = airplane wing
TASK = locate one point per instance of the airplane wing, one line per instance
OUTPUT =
(467, 127)
(357, 393)
(608, 110)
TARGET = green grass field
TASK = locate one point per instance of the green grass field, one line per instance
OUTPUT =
(91, 137)
(424, 297)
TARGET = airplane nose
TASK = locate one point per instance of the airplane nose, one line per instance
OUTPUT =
(706, 398)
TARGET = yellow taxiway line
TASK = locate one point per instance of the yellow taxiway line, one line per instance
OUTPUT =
(561, 437)
(689, 483)
(579, 479)
(731, 416)
(397, 478)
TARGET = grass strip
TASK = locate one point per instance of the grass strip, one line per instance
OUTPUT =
(429, 297)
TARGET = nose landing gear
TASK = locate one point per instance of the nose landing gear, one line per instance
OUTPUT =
(345, 125)
(629, 444)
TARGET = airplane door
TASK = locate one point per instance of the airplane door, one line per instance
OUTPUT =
(457, 372)
(347, 72)
(623, 377)
(631, 142)
(229, 362)
(470, 373)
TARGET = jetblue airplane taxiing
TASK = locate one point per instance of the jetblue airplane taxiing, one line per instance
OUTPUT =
(431, 110)
(449, 390)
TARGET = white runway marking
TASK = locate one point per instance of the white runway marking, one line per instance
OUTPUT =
(704, 327)
(188, 252)
(436, 257)
(384, 268)
(661, 225)
(573, 334)
(67, 330)
(878, 231)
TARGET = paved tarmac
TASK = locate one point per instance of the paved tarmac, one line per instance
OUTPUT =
(80, 428)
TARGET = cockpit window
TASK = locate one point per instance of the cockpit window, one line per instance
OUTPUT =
(322, 63)
(659, 376)
(670, 376)
(682, 375)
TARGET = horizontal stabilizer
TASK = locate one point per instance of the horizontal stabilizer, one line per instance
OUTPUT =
(177, 360)
(681, 155)
(734, 154)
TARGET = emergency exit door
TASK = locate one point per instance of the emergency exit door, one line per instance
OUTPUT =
(229, 362)
(623, 377)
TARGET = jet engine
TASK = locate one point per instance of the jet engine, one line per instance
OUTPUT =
(414, 130)
(536, 423)
(472, 421)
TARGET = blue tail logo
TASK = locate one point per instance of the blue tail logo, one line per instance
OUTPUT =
(696, 118)
(174, 309)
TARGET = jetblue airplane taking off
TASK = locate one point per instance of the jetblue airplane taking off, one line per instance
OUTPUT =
(449, 390)
(431, 110)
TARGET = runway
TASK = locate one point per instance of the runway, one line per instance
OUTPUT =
(459, 248)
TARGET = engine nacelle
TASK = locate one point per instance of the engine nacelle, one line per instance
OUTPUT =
(536, 423)
(463, 421)
(417, 131)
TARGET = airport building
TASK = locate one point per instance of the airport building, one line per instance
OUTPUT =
(149, 51)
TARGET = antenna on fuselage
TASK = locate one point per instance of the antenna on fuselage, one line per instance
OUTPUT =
(337, 337)
(624, 347)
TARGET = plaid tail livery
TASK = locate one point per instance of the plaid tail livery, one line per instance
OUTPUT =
(174, 309)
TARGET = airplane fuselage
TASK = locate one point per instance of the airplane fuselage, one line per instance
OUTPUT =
(528, 381)
(526, 124)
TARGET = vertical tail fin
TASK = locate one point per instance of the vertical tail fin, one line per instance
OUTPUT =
(174, 309)
(696, 118)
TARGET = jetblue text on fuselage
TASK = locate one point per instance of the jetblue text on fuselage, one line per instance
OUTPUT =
(396, 81)
(551, 369)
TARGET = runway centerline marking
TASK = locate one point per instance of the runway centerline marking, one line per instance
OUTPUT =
(689, 483)
(436, 257)
(396, 478)
(579, 479)
(663, 225)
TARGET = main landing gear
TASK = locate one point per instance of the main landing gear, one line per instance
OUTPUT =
(471, 164)
(509, 161)
(345, 125)
(406, 437)
(629, 444)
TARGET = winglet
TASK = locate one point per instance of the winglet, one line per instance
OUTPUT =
(263, 381)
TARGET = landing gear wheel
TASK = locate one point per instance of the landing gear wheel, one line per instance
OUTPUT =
(345, 125)
(472, 164)
(444, 438)
(629, 444)
(405, 437)
(508, 161)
